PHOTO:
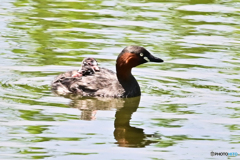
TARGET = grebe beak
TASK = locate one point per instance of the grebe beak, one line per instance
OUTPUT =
(151, 58)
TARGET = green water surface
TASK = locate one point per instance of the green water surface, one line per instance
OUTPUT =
(190, 104)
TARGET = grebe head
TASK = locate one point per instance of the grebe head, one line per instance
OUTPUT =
(133, 56)
(89, 64)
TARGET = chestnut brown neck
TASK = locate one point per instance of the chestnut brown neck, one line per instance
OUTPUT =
(124, 67)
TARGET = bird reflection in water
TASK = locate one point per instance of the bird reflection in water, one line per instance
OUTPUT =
(124, 133)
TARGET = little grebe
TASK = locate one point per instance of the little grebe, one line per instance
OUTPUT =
(89, 66)
(104, 82)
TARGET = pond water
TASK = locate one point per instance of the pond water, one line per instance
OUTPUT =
(190, 104)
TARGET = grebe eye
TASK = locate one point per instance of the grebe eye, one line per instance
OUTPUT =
(141, 54)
